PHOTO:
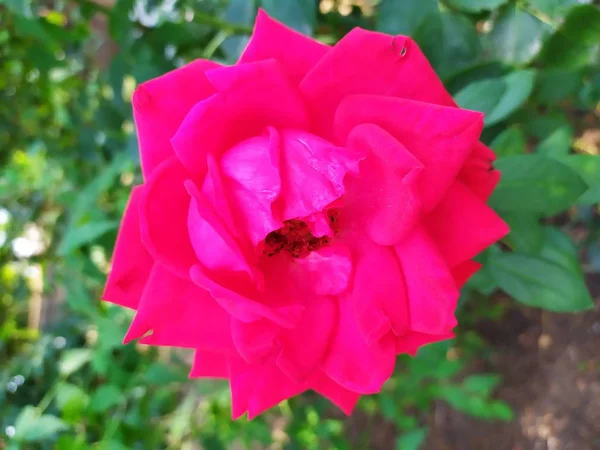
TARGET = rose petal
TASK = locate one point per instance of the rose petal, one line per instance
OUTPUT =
(325, 271)
(216, 248)
(478, 172)
(273, 40)
(251, 179)
(411, 342)
(343, 398)
(312, 173)
(463, 271)
(209, 365)
(385, 193)
(438, 136)
(258, 387)
(164, 208)
(180, 314)
(354, 364)
(303, 348)
(462, 225)
(254, 340)
(131, 263)
(432, 292)
(379, 295)
(244, 303)
(161, 104)
(250, 98)
(366, 62)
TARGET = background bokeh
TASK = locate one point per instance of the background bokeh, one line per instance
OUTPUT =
(524, 371)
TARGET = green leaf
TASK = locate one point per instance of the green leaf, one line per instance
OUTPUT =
(69, 442)
(510, 142)
(20, 7)
(482, 95)
(557, 144)
(516, 37)
(161, 374)
(497, 98)
(475, 6)
(478, 72)
(588, 167)
(481, 384)
(474, 404)
(554, 85)
(99, 185)
(33, 28)
(501, 410)
(536, 184)
(106, 397)
(112, 445)
(73, 360)
(576, 41)
(526, 233)
(543, 125)
(404, 17)
(554, 8)
(519, 85)
(301, 15)
(31, 427)
(72, 401)
(239, 12)
(413, 440)
(450, 42)
(77, 236)
(551, 280)
(119, 24)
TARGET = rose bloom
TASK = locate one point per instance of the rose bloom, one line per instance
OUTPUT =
(306, 214)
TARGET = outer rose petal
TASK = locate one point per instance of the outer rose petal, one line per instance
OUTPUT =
(366, 62)
(312, 173)
(258, 387)
(379, 295)
(164, 210)
(432, 292)
(354, 364)
(271, 39)
(478, 173)
(180, 314)
(440, 137)
(413, 341)
(464, 271)
(343, 398)
(161, 104)
(385, 193)
(251, 97)
(131, 261)
(462, 225)
(209, 365)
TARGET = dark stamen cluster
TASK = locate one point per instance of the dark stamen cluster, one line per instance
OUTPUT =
(294, 238)
(333, 216)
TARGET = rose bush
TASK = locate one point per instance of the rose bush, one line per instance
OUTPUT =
(307, 214)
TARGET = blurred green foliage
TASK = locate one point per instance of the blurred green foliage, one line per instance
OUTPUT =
(68, 158)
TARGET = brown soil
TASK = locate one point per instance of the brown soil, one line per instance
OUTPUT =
(550, 365)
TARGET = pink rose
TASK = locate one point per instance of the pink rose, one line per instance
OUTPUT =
(307, 214)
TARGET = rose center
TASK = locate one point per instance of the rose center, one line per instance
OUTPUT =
(294, 238)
